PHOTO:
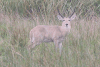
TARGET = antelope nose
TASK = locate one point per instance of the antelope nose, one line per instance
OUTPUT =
(66, 24)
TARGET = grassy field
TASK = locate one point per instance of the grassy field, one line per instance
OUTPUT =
(80, 49)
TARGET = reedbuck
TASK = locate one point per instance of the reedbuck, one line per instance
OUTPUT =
(46, 33)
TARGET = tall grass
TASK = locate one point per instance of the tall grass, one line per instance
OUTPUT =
(48, 8)
(80, 49)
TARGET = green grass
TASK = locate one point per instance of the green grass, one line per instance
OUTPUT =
(30, 8)
(80, 49)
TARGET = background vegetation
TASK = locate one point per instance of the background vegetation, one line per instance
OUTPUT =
(80, 49)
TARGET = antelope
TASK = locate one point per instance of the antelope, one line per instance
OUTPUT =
(54, 33)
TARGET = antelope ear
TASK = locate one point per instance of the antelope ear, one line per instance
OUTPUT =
(73, 17)
(59, 17)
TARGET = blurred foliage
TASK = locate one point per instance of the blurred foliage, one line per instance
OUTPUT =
(97, 7)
